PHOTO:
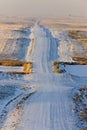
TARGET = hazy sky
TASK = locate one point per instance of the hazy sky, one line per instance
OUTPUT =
(44, 7)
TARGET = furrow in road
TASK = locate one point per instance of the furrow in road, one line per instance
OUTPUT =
(40, 55)
(49, 108)
(43, 52)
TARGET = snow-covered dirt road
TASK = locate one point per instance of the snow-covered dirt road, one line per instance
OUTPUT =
(50, 108)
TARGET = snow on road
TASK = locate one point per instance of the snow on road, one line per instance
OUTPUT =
(41, 53)
(50, 108)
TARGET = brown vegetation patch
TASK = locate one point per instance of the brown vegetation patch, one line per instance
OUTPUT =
(75, 34)
(80, 36)
(80, 101)
(67, 63)
(57, 68)
(14, 72)
(68, 23)
(80, 60)
(27, 66)
(11, 63)
(27, 69)
(84, 128)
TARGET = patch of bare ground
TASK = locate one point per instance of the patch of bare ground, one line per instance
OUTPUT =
(56, 67)
(80, 102)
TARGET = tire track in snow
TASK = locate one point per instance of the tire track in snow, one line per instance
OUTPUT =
(47, 108)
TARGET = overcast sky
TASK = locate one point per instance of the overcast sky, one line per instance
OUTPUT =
(44, 7)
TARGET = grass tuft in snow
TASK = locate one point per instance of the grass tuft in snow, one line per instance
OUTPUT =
(28, 68)
(57, 68)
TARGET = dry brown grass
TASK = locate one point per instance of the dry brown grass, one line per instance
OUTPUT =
(80, 60)
(56, 67)
(68, 24)
(84, 129)
(79, 98)
(4, 26)
(13, 63)
(74, 34)
(67, 63)
(80, 36)
(19, 73)
(27, 66)
(83, 115)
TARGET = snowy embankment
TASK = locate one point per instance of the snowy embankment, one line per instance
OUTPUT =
(12, 86)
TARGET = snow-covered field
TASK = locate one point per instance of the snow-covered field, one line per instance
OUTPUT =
(43, 99)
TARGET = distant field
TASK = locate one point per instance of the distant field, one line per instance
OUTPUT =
(66, 23)
(76, 30)
(14, 40)
(81, 37)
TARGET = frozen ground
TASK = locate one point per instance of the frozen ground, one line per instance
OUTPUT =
(42, 100)
(78, 70)
(14, 43)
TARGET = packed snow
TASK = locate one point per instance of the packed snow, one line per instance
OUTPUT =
(49, 108)
(77, 70)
